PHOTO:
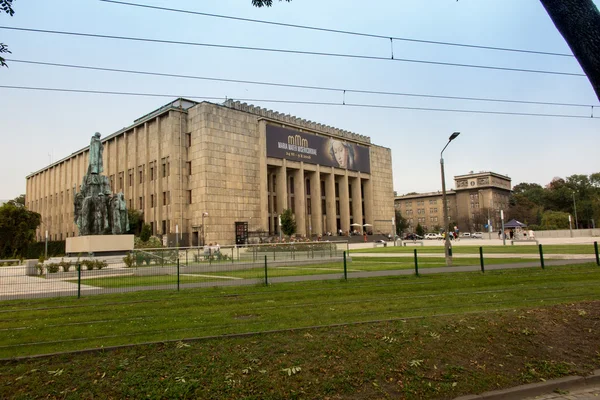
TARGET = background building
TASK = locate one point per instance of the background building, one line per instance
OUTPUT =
(216, 172)
(477, 198)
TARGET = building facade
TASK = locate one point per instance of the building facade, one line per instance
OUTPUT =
(211, 172)
(476, 199)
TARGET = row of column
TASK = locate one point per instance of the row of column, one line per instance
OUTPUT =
(337, 214)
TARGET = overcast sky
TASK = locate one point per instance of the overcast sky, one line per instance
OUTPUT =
(37, 126)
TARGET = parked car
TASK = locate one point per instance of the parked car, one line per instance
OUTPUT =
(477, 235)
(433, 236)
(465, 235)
(412, 236)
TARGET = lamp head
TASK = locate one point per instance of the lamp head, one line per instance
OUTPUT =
(453, 136)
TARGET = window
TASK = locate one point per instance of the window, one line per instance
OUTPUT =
(130, 172)
(274, 204)
(165, 198)
(188, 139)
(433, 219)
(141, 174)
(291, 185)
(420, 211)
(337, 207)
(323, 207)
(307, 187)
(165, 168)
(408, 204)
(433, 210)
(141, 203)
(274, 183)
(121, 181)
(308, 207)
(152, 227)
(152, 173)
(189, 167)
(151, 201)
(293, 205)
(189, 197)
(337, 190)
(164, 226)
(323, 189)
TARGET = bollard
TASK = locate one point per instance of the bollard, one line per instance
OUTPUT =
(541, 256)
(481, 259)
(178, 273)
(416, 263)
(596, 250)
(345, 270)
(266, 278)
(78, 281)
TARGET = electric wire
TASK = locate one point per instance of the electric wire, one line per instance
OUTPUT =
(288, 51)
(300, 102)
(298, 86)
(345, 32)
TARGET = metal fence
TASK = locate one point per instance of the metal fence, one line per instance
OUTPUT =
(213, 266)
(172, 269)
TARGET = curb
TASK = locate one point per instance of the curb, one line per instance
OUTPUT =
(536, 389)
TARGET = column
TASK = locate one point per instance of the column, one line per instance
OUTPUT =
(315, 202)
(368, 193)
(300, 200)
(282, 202)
(357, 212)
(344, 202)
(330, 202)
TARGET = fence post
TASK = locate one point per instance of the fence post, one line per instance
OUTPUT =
(416, 263)
(186, 257)
(266, 276)
(345, 270)
(541, 256)
(481, 259)
(232, 255)
(178, 273)
(596, 250)
(79, 280)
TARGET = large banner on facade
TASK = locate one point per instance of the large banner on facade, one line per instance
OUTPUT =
(330, 152)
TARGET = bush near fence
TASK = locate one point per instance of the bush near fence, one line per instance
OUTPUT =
(56, 248)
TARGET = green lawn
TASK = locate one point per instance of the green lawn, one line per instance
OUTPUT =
(474, 249)
(48, 325)
(358, 264)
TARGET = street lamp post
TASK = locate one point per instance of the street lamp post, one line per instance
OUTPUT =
(204, 214)
(575, 210)
(448, 249)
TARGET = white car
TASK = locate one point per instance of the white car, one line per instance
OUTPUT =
(433, 236)
(477, 235)
(465, 235)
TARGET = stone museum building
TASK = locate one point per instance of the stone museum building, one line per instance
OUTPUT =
(200, 171)
(476, 198)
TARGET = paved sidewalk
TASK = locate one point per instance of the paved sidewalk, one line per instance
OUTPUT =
(570, 387)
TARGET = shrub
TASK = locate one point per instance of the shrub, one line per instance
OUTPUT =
(53, 268)
(129, 260)
(89, 264)
(40, 268)
(66, 266)
(146, 232)
(99, 264)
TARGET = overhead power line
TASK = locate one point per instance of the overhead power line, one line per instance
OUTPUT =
(288, 51)
(354, 33)
(296, 86)
(319, 103)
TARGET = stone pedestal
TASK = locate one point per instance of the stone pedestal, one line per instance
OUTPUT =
(99, 244)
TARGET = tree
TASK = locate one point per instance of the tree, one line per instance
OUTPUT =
(555, 220)
(136, 221)
(401, 223)
(6, 6)
(578, 21)
(17, 229)
(146, 233)
(18, 201)
(288, 223)
(419, 230)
